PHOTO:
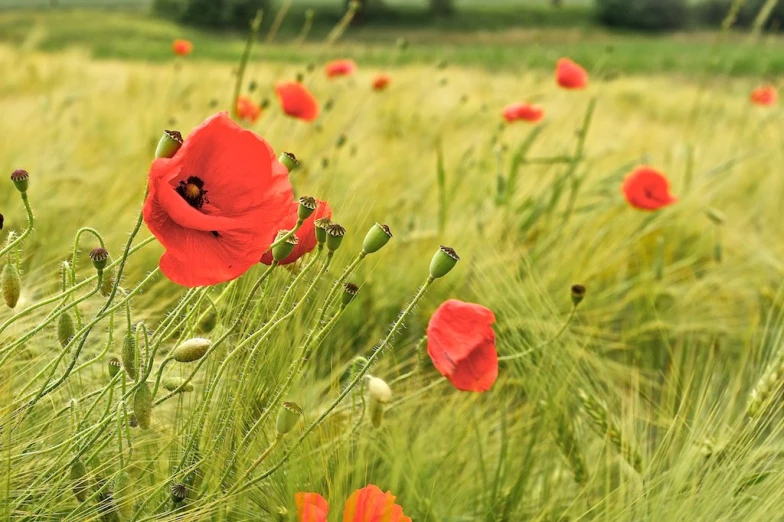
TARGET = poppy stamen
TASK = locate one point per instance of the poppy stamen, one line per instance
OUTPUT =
(192, 191)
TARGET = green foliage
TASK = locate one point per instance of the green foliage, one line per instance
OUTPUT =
(213, 14)
(713, 12)
(646, 15)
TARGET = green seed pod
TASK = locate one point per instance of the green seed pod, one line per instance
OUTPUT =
(350, 291)
(114, 364)
(378, 236)
(122, 494)
(307, 205)
(80, 483)
(282, 250)
(335, 234)
(321, 225)
(99, 256)
(288, 416)
(179, 492)
(443, 262)
(578, 294)
(341, 141)
(21, 180)
(169, 144)
(289, 161)
(65, 328)
(128, 355)
(173, 383)
(12, 285)
(191, 350)
(142, 405)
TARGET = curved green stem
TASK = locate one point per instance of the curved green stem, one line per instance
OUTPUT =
(23, 235)
(544, 344)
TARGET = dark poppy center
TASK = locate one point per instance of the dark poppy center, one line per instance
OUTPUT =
(192, 191)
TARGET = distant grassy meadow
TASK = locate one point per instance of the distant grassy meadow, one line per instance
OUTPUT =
(633, 405)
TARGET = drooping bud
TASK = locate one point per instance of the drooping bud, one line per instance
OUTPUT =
(99, 256)
(289, 161)
(191, 350)
(65, 328)
(340, 141)
(288, 416)
(21, 179)
(443, 262)
(122, 496)
(379, 394)
(12, 284)
(578, 293)
(179, 492)
(128, 355)
(283, 249)
(80, 483)
(169, 144)
(321, 225)
(174, 383)
(350, 291)
(307, 206)
(107, 282)
(114, 364)
(142, 405)
(378, 236)
(335, 235)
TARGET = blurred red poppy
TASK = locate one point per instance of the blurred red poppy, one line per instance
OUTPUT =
(765, 95)
(297, 101)
(570, 75)
(215, 206)
(341, 68)
(182, 47)
(381, 82)
(646, 188)
(370, 504)
(461, 344)
(311, 507)
(247, 109)
(523, 111)
(306, 234)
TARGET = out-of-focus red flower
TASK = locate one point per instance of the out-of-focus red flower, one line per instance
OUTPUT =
(523, 111)
(297, 101)
(381, 82)
(340, 68)
(647, 189)
(306, 234)
(311, 507)
(765, 95)
(216, 205)
(461, 344)
(370, 504)
(570, 75)
(247, 109)
(182, 47)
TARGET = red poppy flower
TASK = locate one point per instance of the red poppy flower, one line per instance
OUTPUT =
(306, 234)
(341, 68)
(370, 504)
(765, 95)
(570, 75)
(381, 82)
(247, 109)
(647, 189)
(182, 47)
(297, 101)
(311, 507)
(216, 205)
(461, 344)
(523, 111)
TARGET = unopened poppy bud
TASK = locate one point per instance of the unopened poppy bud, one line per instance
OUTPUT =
(321, 225)
(99, 256)
(21, 179)
(299, 78)
(142, 405)
(169, 144)
(716, 216)
(191, 350)
(380, 394)
(65, 328)
(283, 249)
(173, 383)
(443, 262)
(80, 484)
(128, 355)
(335, 235)
(378, 236)
(340, 141)
(328, 105)
(122, 495)
(178, 493)
(132, 420)
(578, 293)
(12, 285)
(263, 104)
(107, 282)
(350, 291)
(288, 416)
(208, 321)
(114, 364)
(307, 205)
(289, 161)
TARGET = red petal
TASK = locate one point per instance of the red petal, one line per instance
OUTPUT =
(297, 101)
(311, 507)
(478, 371)
(646, 188)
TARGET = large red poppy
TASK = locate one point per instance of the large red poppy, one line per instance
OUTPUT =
(216, 205)
(297, 101)
(381, 82)
(647, 189)
(341, 68)
(311, 507)
(461, 344)
(368, 504)
(523, 111)
(570, 75)
(247, 109)
(306, 234)
(182, 47)
(765, 95)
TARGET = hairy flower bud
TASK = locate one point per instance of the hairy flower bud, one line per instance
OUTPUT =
(80, 483)
(191, 350)
(128, 355)
(65, 328)
(174, 383)
(122, 496)
(12, 284)
(142, 405)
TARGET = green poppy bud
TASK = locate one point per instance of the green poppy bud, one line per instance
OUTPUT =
(578, 293)
(21, 179)
(282, 250)
(114, 364)
(65, 328)
(307, 205)
(289, 161)
(142, 405)
(288, 416)
(335, 235)
(378, 236)
(179, 492)
(99, 256)
(12, 285)
(321, 225)
(80, 483)
(107, 282)
(340, 141)
(350, 291)
(128, 355)
(174, 383)
(122, 496)
(169, 144)
(716, 216)
(191, 350)
(443, 262)
(208, 321)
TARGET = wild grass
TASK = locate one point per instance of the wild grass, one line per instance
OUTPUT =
(637, 411)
